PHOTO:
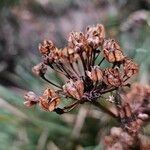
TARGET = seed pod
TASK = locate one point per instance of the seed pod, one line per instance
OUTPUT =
(112, 77)
(30, 99)
(77, 41)
(49, 100)
(74, 89)
(40, 69)
(95, 74)
(130, 68)
(112, 51)
(95, 35)
(46, 47)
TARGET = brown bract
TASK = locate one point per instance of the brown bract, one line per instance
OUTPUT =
(49, 100)
(74, 89)
(112, 77)
(112, 51)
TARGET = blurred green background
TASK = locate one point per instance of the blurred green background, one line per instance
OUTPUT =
(25, 23)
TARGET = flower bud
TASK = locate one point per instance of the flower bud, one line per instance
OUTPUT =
(49, 100)
(112, 51)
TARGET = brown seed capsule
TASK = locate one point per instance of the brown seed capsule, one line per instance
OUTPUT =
(112, 51)
(77, 41)
(130, 68)
(49, 100)
(95, 74)
(46, 47)
(95, 35)
(40, 69)
(30, 99)
(112, 77)
(74, 89)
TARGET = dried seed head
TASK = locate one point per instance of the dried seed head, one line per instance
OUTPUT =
(30, 99)
(74, 89)
(40, 69)
(95, 74)
(49, 100)
(46, 47)
(77, 41)
(130, 68)
(95, 35)
(112, 77)
(112, 51)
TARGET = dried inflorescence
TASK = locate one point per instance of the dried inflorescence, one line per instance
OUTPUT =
(134, 113)
(80, 63)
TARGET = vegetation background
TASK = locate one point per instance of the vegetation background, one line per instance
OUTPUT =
(25, 23)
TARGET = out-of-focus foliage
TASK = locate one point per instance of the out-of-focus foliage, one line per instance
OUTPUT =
(23, 25)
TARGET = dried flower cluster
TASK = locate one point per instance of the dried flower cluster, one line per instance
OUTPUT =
(80, 63)
(134, 113)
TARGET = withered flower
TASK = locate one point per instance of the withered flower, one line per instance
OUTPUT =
(130, 68)
(112, 77)
(30, 99)
(95, 35)
(49, 100)
(74, 89)
(112, 51)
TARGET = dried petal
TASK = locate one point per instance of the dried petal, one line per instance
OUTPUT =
(95, 35)
(74, 89)
(95, 74)
(130, 68)
(30, 99)
(49, 100)
(112, 51)
(40, 69)
(112, 77)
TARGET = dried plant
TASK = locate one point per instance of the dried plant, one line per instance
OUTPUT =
(79, 65)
